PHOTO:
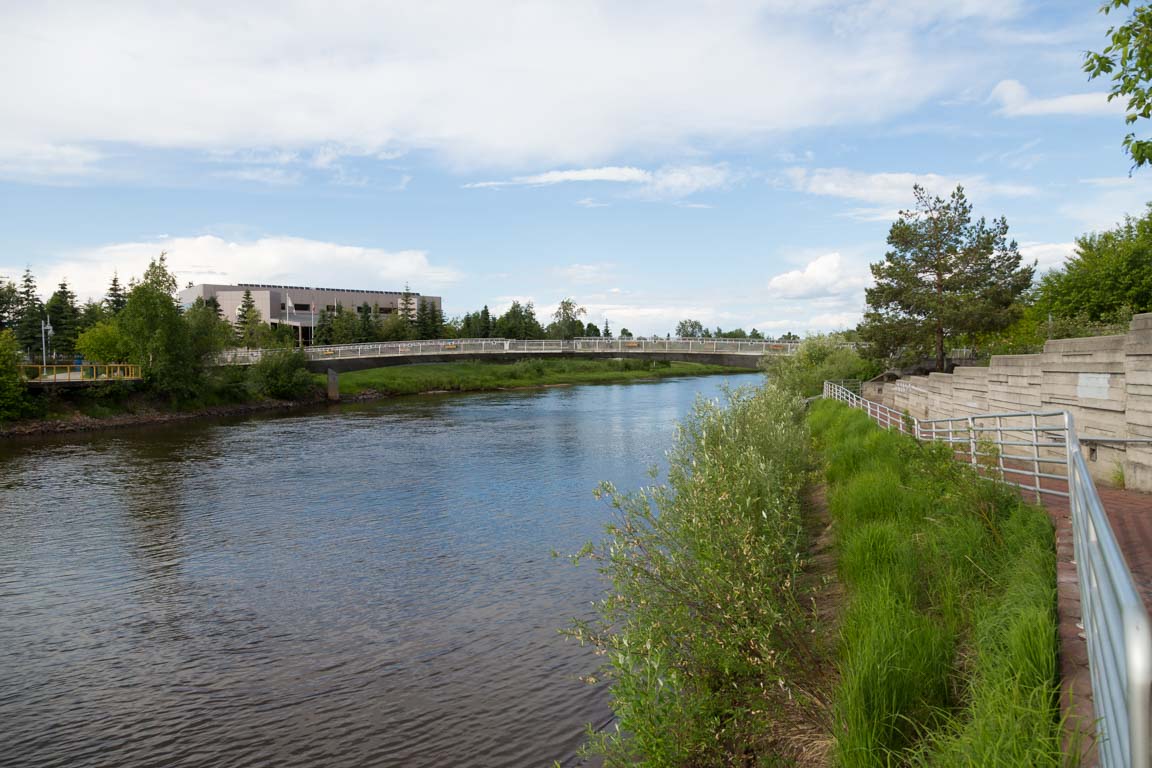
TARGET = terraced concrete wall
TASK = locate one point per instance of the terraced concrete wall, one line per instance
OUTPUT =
(1105, 382)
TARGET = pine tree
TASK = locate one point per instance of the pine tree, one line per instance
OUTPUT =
(607, 330)
(29, 315)
(249, 325)
(65, 318)
(944, 276)
(115, 299)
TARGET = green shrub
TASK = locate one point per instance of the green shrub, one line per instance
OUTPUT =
(281, 374)
(14, 402)
(819, 358)
(702, 630)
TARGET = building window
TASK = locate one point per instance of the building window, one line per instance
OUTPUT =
(302, 307)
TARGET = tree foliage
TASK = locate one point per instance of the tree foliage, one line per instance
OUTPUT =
(1127, 61)
(64, 315)
(13, 396)
(566, 322)
(519, 322)
(115, 297)
(691, 329)
(281, 374)
(249, 324)
(9, 305)
(820, 358)
(1109, 277)
(943, 276)
(29, 315)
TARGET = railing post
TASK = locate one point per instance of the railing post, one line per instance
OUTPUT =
(972, 439)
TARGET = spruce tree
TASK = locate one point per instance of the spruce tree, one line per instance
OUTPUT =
(425, 321)
(65, 318)
(368, 327)
(607, 330)
(115, 299)
(249, 325)
(484, 330)
(322, 334)
(29, 315)
(407, 305)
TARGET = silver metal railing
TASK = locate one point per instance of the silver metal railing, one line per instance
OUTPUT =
(1020, 449)
(535, 346)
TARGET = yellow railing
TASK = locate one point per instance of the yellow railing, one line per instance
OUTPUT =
(63, 374)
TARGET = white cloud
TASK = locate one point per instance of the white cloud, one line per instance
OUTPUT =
(590, 202)
(1047, 255)
(499, 84)
(586, 274)
(276, 177)
(38, 161)
(667, 183)
(207, 259)
(608, 173)
(826, 275)
(1016, 101)
(890, 192)
(1102, 203)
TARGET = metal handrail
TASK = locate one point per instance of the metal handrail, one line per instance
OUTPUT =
(1116, 623)
(64, 373)
(500, 345)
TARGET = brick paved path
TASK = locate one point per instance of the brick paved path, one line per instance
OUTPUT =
(1130, 514)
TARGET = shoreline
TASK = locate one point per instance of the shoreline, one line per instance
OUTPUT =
(80, 423)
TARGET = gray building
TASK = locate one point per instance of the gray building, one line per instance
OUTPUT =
(299, 306)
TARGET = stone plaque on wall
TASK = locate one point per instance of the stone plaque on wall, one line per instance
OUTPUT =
(1093, 385)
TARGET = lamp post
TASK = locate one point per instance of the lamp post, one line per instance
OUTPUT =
(45, 334)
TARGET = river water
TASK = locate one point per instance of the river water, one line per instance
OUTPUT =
(366, 585)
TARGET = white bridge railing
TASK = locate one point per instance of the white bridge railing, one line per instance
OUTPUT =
(1025, 449)
(752, 348)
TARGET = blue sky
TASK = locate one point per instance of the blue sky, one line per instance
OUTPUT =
(733, 162)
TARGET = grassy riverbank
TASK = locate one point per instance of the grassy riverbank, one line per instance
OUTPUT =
(948, 642)
(919, 629)
(481, 376)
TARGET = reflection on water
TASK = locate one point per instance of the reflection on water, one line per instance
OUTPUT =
(367, 585)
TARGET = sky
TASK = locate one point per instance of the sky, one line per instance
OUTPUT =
(737, 162)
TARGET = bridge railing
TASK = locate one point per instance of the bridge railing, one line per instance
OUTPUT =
(528, 346)
(64, 373)
(1021, 449)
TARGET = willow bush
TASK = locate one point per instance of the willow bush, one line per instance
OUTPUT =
(703, 628)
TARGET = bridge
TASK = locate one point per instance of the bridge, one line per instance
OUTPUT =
(737, 353)
(85, 375)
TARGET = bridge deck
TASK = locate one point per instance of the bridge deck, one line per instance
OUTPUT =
(739, 352)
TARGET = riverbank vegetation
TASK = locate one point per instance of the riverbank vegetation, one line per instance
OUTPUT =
(948, 640)
(931, 641)
(480, 376)
(703, 629)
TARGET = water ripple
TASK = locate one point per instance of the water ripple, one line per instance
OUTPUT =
(359, 586)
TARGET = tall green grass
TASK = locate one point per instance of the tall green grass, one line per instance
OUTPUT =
(948, 636)
(702, 629)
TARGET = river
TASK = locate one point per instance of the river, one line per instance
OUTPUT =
(361, 585)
